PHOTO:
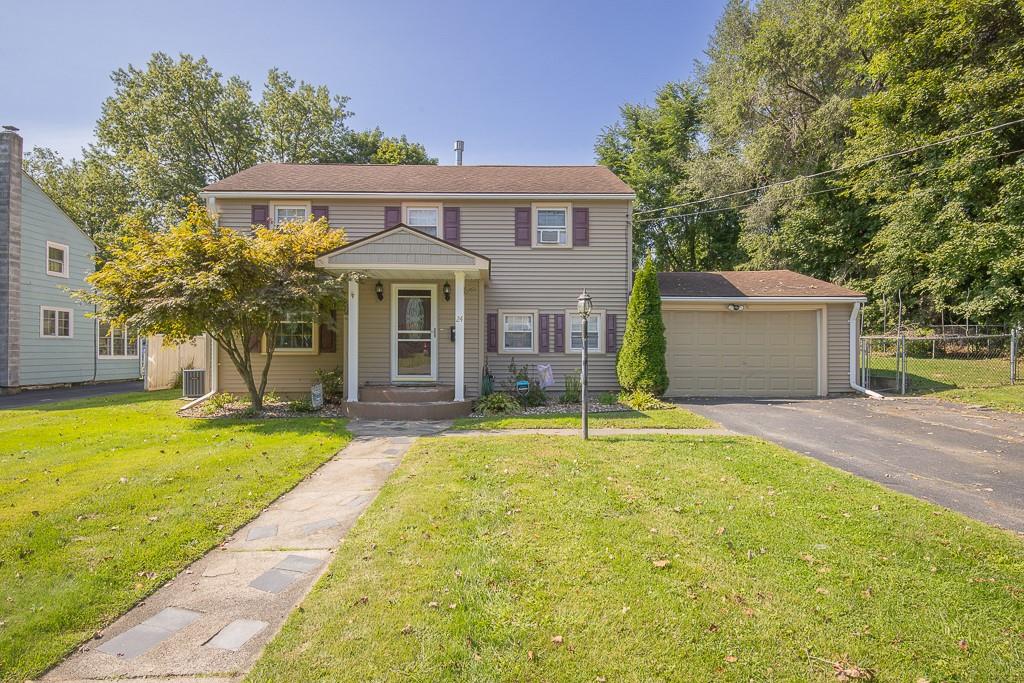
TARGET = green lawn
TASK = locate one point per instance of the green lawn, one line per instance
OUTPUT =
(927, 375)
(103, 500)
(1008, 398)
(673, 418)
(655, 558)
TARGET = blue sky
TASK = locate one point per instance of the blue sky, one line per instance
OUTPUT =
(529, 85)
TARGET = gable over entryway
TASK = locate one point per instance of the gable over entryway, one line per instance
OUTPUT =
(757, 333)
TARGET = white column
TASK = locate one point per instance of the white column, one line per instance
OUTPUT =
(460, 336)
(352, 352)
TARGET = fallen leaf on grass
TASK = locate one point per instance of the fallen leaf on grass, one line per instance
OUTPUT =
(407, 630)
(962, 644)
(719, 531)
(530, 655)
(730, 658)
(661, 564)
(557, 640)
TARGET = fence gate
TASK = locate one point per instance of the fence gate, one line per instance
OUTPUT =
(907, 364)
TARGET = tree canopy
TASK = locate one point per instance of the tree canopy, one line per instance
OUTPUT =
(197, 278)
(176, 125)
(791, 90)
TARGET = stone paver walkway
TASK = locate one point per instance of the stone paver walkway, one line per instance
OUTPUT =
(211, 622)
(599, 431)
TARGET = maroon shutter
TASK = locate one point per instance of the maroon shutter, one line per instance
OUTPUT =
(254, 342)
(523, 227)
(581, 227)
(452, 227)
(260, 215)
(492, 332)
(328, 337)
(392, 216)
(321, 212)
(559, 332)
(543, 345)
(610, 342)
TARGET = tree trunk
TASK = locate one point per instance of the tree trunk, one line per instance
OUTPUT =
(242, 360)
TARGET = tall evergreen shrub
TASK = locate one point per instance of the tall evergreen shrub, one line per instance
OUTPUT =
(641, 364)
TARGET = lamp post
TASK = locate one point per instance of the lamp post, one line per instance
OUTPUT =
(584, 304)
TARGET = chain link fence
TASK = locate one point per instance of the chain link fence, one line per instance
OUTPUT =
(928, 363)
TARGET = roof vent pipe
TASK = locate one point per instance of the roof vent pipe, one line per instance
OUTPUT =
(459, 147)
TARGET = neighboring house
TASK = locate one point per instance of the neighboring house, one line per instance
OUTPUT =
(458, 270)
(45, 337)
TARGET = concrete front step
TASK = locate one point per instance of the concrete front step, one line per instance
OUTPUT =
(408, 410)
(397, 393)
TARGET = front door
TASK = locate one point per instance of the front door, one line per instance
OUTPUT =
(414, 333)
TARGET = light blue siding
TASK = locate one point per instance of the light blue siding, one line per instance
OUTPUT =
(49, 360)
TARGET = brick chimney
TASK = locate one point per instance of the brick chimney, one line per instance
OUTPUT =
(11, 149)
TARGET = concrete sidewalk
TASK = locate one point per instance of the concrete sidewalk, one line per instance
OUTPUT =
(600, 431)
(212, 621)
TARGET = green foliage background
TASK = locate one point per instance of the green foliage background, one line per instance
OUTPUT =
(792, 88)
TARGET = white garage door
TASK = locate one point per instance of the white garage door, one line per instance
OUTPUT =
(743, 353)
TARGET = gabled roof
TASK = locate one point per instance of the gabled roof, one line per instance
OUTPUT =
(345, 179)
(405, 248)
(749, 284)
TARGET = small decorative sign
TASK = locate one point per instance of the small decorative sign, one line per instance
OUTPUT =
(522, 387)
(316, 396)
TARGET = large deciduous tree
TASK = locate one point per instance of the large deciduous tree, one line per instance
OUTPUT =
(176, 125)
(197, 278)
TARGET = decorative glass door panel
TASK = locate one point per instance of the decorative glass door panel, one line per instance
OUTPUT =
(413, 345)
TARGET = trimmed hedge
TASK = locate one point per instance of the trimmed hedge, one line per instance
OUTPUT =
(641, 364)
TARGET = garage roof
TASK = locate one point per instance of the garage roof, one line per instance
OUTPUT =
(738, 284)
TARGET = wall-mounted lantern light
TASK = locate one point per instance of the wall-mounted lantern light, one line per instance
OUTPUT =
(447, 290)
(379, 289)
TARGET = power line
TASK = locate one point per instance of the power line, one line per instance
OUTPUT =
(703, 212)
(838, 169)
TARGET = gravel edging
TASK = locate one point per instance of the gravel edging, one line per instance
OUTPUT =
(240, 410)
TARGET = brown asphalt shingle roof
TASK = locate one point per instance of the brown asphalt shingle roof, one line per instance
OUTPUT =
(367, 178)
(748, 283)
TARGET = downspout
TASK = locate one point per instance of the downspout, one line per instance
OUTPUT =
(214, 380)
(853, 356)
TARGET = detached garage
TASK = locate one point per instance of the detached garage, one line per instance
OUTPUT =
(757, 333)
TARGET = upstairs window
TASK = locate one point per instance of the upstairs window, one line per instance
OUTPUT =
(117, 342)
(295, 332)
(57, 259)
(423, 218)
(551, 226)
(55, 323)
(284, 214)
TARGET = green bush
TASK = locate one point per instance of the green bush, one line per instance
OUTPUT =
(642, 400)
(498, 404)
(535, 396)
(219, 401)
(301, 405)
(641, 364)
(573, 388)
(333, 383)
(608, 399)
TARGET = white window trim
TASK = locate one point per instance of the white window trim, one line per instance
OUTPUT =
(535, 228)
(67, 260)
(308, 206)
(314, 350)
(128, 356)
(570, 315)
(71, 322)
(424, 205)
(501, 330)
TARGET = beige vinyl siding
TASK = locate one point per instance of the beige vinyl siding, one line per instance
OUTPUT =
(291, 374)
(839, 348)
(544, 279)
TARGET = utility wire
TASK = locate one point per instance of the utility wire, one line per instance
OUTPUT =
(838, 169)
(703, 212)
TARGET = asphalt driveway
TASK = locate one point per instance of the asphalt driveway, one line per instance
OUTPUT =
(37, 397)
(967, 459)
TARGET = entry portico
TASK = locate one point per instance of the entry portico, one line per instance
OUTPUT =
(412, 278)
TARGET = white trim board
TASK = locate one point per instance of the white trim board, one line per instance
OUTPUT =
(767, 299)
(246, 194)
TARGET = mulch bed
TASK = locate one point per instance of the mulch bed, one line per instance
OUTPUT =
(563, 408)
(240, 409)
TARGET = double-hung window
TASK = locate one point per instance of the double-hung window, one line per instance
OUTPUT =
(55, 323)
(551, 226)
(595, 342)
(295, 332)
(284, 214)
(116, 342)
(57, 262)
(518, 332)
(423, 218)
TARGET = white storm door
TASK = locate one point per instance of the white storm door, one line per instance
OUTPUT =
(414, 333)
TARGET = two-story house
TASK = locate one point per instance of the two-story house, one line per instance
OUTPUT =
(46, 337)
(453, 270)
(457, 271)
